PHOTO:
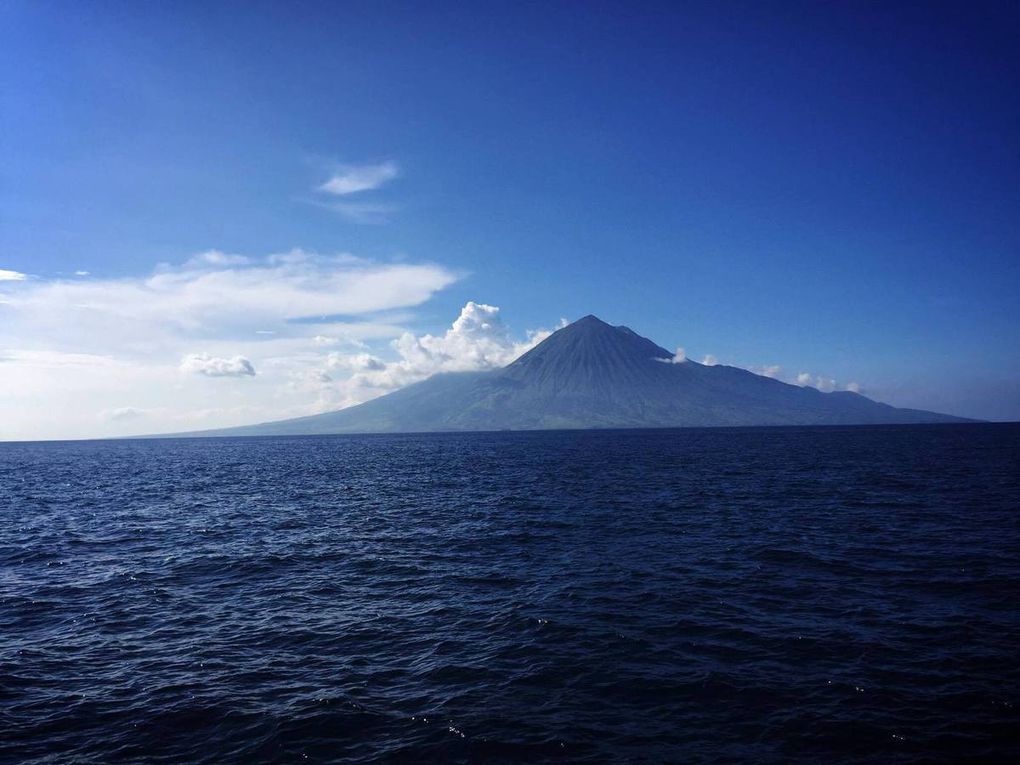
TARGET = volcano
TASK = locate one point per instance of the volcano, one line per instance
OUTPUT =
(590, 374)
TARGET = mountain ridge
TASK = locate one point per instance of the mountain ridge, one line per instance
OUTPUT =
(590, 375)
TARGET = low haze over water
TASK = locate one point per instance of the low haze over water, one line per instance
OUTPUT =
(767, 595)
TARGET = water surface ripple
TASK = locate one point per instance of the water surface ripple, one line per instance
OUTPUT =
(767, 595)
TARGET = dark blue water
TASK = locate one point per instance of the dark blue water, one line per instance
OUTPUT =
(767, 595)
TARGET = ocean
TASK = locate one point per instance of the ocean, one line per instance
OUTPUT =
(768, 595)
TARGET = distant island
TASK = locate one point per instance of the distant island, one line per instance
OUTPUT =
(588, 375)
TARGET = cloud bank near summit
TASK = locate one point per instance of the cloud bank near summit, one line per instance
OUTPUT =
(477, 340)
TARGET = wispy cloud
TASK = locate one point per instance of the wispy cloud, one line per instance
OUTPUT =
(122, 413)
(12, 276)
(351, 179)
(348, 181)
(365, 213)
(212, 296)
(214, 258)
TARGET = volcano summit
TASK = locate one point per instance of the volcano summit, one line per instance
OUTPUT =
(590, 374)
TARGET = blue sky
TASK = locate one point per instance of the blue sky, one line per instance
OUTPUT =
(827, 188)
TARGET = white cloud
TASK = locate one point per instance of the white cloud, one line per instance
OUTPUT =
(775, 372)
(212, 366)
(825, 384)
(357, 362)
(822, 383)
(477, 339)
(12, 276)
(772, 371)
(354, 179)
(342, 339)
(213, 258)
(81, 273)
(72, 349)
(201, 301)
(122, 413)
(677, 358)
(351, 179)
